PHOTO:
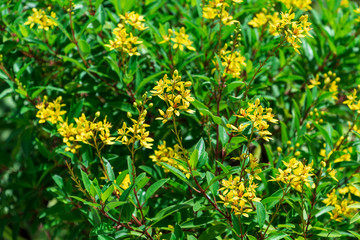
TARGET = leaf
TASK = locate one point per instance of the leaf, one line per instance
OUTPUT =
(77, 198)
(58, 180)
(126, 193)
(85, 180)
(324, 133)
(261, 214)
(84, 48)
(213, 187)
(194, 158)
(177, 173)
(324, 210)
(168, 211)
(277, 236)
(204, 110)
(113, 205)
(212, 231)
(355, 218)
(75, 110)
(109, 170)
(284, 133)
(154, 187)
(107, 193)
(224, 137)
(148, 79)
(355, 234)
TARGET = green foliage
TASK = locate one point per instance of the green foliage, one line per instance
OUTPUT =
(271, 150)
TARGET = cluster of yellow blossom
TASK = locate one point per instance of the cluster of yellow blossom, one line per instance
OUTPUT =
(87, 132)
(218, 9)
(285, 26)
(259, 118)
(82, 131)
(174, 93)
(330, 81)
(345, 153)
(135, 20)
(317, 117)
(263, 18)
(50, 111)
(239, 197)
(180, 40)
(125, 41)
(254, 168)
(300, 4)
(296, 174)
(39, 17)
(352, 102)
(137, 131)
(342, 208)
(169, 156)
(232, 62)
(357, 11)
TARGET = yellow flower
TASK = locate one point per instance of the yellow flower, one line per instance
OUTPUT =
(50, 111)
(314, 82)
(181, 39)
(135, 20)
(176, 95)
(39, 17)
(300, 4)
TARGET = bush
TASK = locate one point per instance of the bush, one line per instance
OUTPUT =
(188, 119)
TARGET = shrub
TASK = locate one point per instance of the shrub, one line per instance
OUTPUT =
(188, 119)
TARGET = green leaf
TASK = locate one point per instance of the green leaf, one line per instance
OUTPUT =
(86, 181)
(212, 231)
(58, 180)
(84, 48)
(213, 187)
(126, 193)
(261, 214)
(194, 158)
(284, 133)
(324, 133)
(177, 173)
(324, 210)
(355, 218)
(204, 110)
(107, 193)
(224, 137)
(277, 236)
(154, 187)
(75, 110)
(355, 234)
(113, 205)
(109, 170)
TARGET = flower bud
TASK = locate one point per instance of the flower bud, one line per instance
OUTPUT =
(297, 154)
(323, 164)
(129, 115)
(279, 149)
(97, 114)
(151, 105)
(135, 104)
(297, 145)
(288, 142)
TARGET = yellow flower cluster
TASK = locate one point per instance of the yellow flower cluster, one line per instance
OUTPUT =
(87, 132)
(357, 11)
(135, 20)
(180, 39)
(342, 208)
(137, 131)
(300, 4)
(239, 197)
(330, 83)
(218, 9)
(254, 168)
(293, 30)
(296, 174)
(50, 111)
(352, 102)
(263, 18)
(232, 62)
(39, 17)
(175, 94)
(82, 131)
(169, 156)
(125, 41)
(259, 118)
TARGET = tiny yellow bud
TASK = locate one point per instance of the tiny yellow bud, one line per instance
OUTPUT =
(322, 113)
(135, 104)
(288, 143)
(308, 126)
(297, 154)
(279, 149)
(129, 115)
(297, 145)
(151, 105)
(321, 120)
(323, 164)
(316, 110)
(317, 114)
(311, 113)
(292, 149)
(97, 114)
